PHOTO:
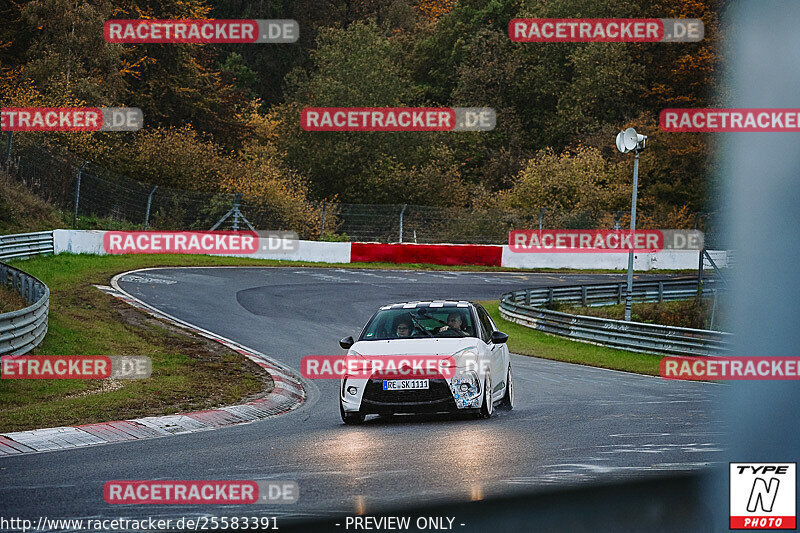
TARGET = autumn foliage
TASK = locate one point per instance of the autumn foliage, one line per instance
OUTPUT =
(224, 118)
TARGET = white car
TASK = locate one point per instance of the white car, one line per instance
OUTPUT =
(458, 329)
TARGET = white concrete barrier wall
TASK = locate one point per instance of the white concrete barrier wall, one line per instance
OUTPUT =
(91, 242)
(78, 241)
(571, 260)
(666, 260)
(316, 251)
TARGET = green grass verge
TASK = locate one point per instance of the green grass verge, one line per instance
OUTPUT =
(189, 372)
(686, 313)
(10, 300)
(129, 262)
(527, 341)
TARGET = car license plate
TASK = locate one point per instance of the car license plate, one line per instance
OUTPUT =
(405, 384)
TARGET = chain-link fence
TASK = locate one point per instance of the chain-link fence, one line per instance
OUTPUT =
(426, 224)
(417, 224)
(97, 197)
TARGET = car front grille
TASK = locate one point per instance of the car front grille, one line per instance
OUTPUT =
(437, 395)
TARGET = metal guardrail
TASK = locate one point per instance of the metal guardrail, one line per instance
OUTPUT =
(23, 330)
(25, 245)
(522, 307)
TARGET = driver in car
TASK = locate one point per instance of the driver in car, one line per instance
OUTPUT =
(403, 327)
(454, 321)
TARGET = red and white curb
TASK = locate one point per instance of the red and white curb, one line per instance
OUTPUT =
(287, 395)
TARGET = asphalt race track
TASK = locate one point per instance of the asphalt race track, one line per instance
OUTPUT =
(572, 424)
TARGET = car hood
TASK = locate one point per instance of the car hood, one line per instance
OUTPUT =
(422, 346)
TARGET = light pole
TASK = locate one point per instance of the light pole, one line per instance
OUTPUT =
(630, 141)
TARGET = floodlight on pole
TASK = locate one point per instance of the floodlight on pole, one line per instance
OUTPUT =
(630, 141)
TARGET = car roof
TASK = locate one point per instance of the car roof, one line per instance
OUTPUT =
(429, 304)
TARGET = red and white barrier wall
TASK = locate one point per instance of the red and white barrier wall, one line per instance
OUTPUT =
(91, 242)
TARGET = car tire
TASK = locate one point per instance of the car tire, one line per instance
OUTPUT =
(507, 403)
(351, 418)
(488, 405)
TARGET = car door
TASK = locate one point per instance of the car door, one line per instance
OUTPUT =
(496, 352)
(504, 358)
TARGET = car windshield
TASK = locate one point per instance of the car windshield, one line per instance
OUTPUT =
(419, 322)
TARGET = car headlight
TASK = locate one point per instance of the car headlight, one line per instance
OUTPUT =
(465, 385)
(466, 377)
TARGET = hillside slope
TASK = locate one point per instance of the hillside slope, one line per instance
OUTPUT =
(22, 211)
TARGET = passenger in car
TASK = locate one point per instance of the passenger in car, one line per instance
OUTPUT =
(403, 326)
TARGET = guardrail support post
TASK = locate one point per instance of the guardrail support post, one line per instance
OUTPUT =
(713, 309)
(583, 295)
(550, 296)
(77, 195)
(322, 230)
(236, 200)
(147, 212)
(700, 276)
(660, 291)
(619, 293)
(403, 210)
(527, 297)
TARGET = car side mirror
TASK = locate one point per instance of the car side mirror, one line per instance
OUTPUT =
(347, 342)
(498, 337)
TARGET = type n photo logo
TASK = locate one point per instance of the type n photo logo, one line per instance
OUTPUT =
(763, 495)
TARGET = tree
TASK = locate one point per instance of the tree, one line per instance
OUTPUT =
(67, 55)
(577, 189)
(360, 67)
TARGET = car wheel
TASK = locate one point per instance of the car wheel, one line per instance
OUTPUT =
(488, 406)
(351, 418)
(508, 399)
